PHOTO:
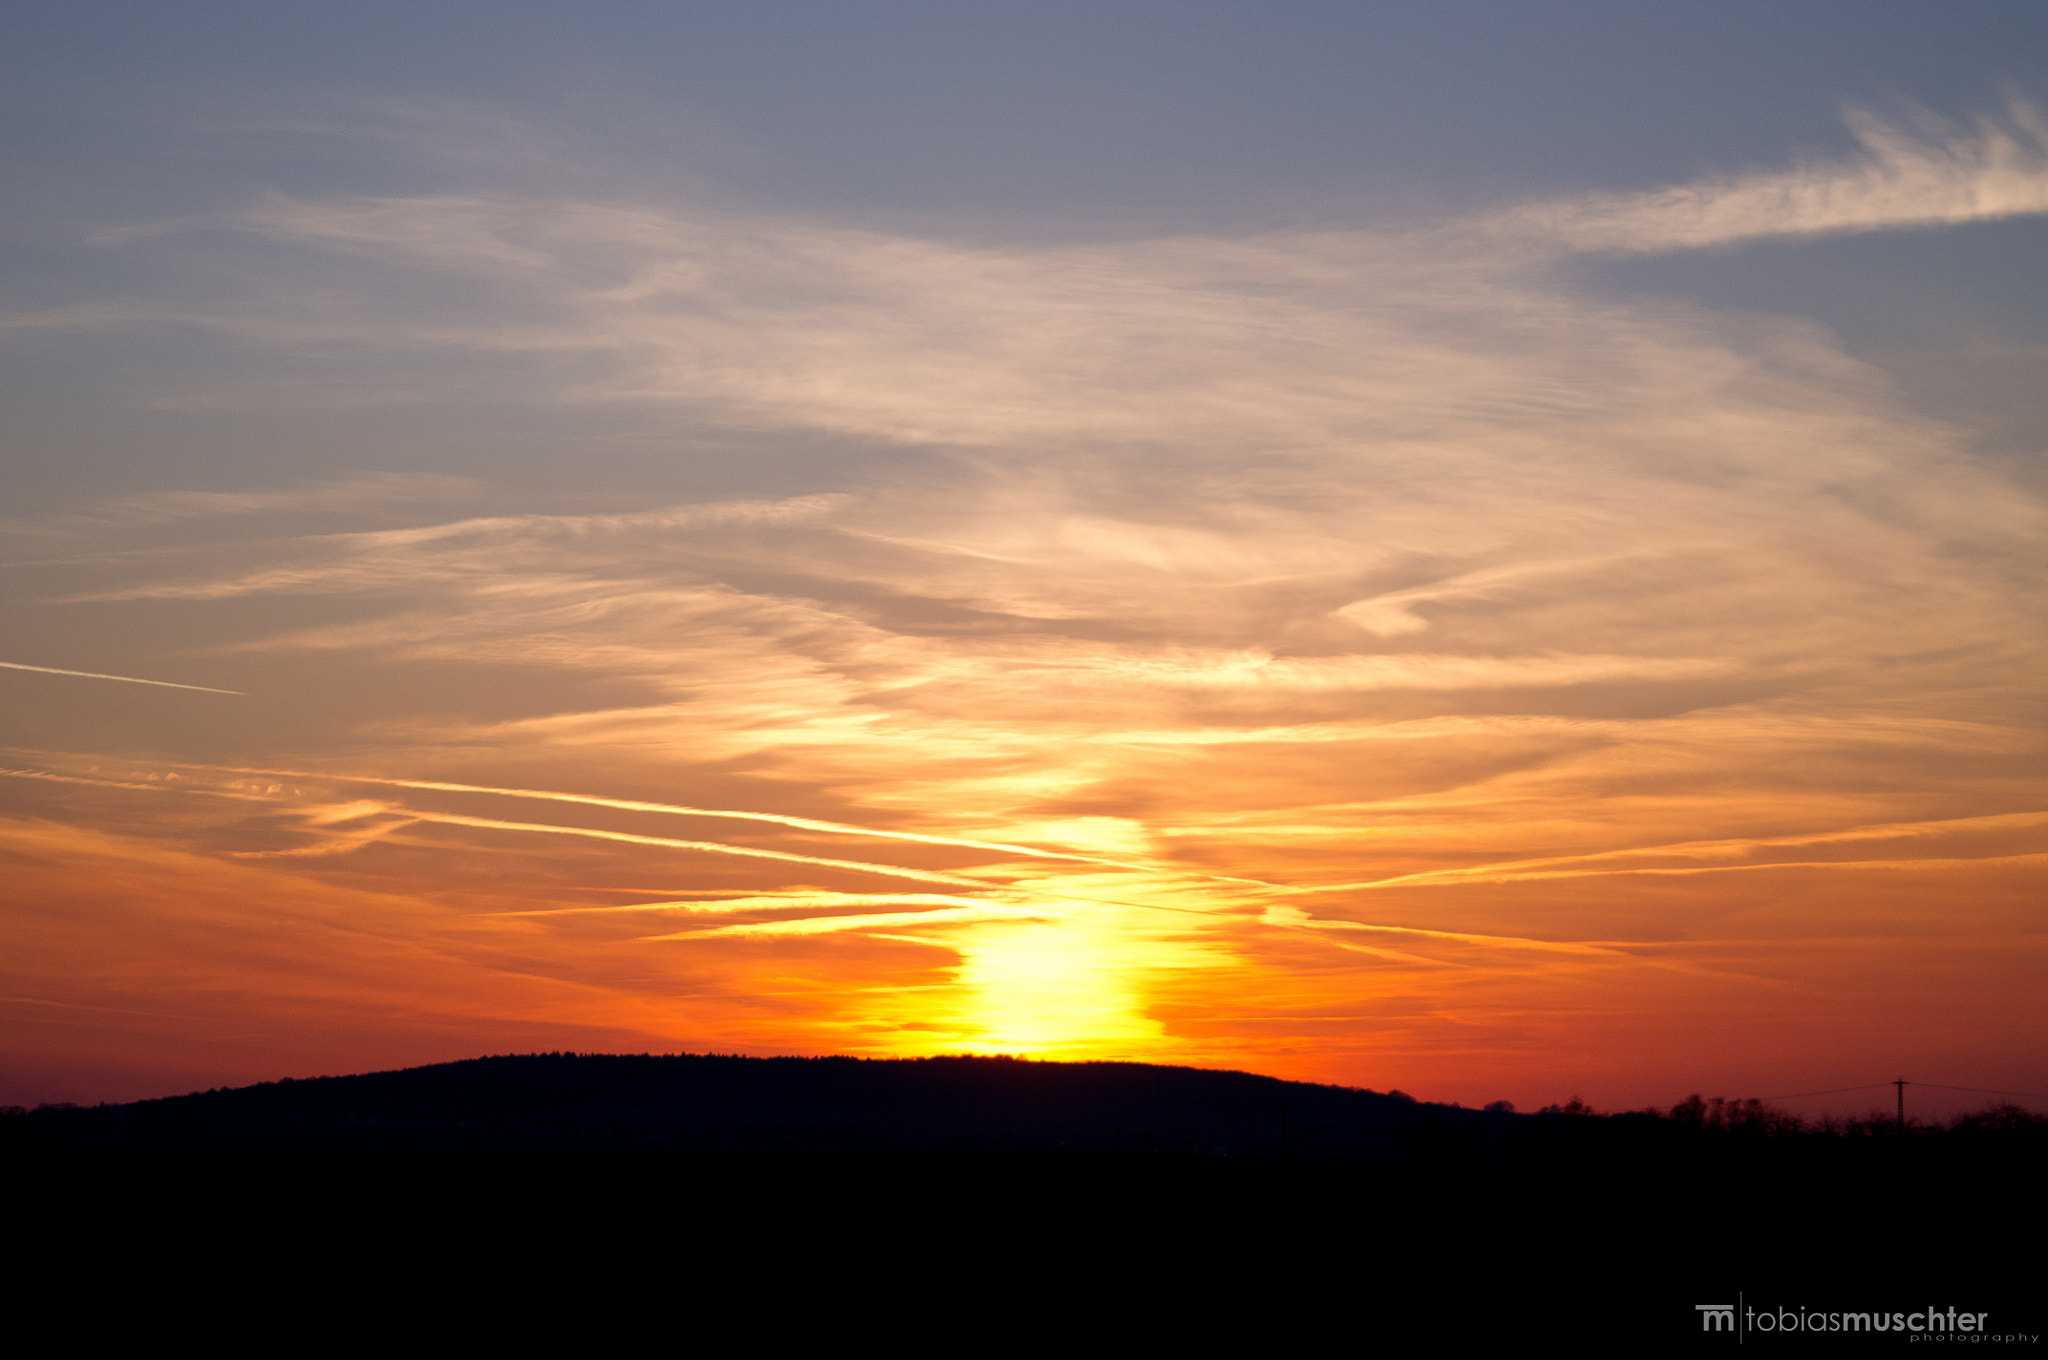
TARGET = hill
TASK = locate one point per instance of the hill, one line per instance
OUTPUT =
(719, 1103)
(714, 1103)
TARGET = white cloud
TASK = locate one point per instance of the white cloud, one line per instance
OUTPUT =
(1939, 176)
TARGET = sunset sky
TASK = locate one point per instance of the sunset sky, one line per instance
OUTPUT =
(1490, 549)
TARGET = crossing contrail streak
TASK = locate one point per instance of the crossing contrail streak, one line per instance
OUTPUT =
(714, 847)
(130, 679)
(1450, 878)
(779, 819)
(75, 779)
(776, 818)
(766, 902)
(121, 784)
(831, 925)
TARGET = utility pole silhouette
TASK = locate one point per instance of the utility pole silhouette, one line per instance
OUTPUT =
(1901, 1084)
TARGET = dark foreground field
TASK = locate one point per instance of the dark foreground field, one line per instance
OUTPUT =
(708, 1103)
(926, 1201)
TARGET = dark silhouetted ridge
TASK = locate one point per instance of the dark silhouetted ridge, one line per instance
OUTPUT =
(718, 1103)
(711, 1103)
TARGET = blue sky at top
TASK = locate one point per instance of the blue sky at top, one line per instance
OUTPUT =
(1040, 123)
(1194, 110)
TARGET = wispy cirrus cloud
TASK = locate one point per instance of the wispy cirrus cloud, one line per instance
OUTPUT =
(1934, 175)
(338, 496)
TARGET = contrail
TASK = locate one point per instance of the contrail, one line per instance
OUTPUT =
(131, 679)
(768, 902)
(1307, 922)
(714, 847)
(1524, 870)
(829, 925)
(779, 819)
(75, 779)
(1451, 878)
(720, 847)
(118, 784)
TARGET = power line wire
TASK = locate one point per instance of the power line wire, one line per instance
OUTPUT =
(1872, 1086)
(1978, 1090)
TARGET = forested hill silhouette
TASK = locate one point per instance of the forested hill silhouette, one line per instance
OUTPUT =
(712, 1103)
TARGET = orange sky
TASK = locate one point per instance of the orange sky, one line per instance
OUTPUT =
(1360, 656)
